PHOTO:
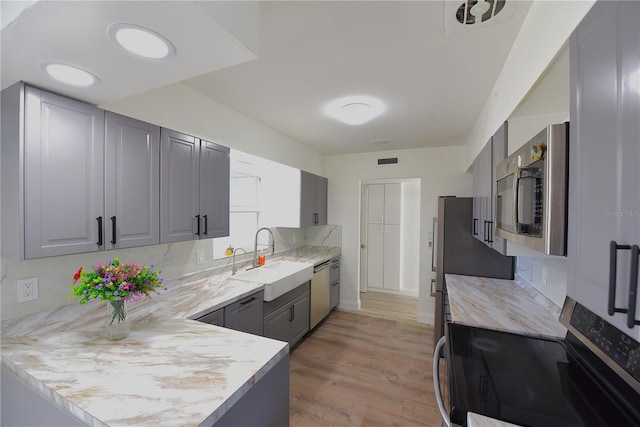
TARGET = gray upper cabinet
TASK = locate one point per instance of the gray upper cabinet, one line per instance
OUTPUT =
(194, 188)
(132, 182)
(604, 159)
(63, 175)
(499, 153)
(179, 190)
(313, 199)
(214, 190)
(484, 190)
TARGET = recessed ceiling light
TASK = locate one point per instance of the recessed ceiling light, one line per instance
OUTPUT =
(141, 41)
(69, 74)
(355, 110)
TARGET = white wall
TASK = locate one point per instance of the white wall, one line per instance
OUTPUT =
(544, 32)
(441, 171)
(181, 108)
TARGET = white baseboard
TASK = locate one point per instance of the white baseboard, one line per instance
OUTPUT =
(429, 319)
(405, 293)
(349, 305)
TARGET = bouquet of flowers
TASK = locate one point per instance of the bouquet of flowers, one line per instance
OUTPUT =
(116, 282)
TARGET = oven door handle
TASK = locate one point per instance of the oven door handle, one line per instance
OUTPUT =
(436, 381)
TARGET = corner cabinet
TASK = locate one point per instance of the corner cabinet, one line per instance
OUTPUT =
(194, 188)
(485, 191)
(604, 159)
(287, 317)
(313, 199)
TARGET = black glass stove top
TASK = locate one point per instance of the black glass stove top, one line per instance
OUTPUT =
(527, 381)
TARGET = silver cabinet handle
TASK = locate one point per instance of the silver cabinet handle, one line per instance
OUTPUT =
(433, 246)
(436, 382)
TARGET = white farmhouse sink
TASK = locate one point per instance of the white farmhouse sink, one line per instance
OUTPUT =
(278, 277)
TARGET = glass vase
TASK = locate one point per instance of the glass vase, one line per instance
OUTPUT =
(117, 325)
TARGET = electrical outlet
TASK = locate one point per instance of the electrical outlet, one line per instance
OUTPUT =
(28, 289)
(200, 257)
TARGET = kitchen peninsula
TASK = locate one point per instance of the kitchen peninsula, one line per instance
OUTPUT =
(170, 370)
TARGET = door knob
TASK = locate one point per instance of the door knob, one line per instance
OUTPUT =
(362, 246)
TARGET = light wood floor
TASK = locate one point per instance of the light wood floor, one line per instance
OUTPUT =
(389, 306)
(359, 370)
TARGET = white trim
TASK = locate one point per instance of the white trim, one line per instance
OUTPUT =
(349, 305)
(401, 292)
(428, 319)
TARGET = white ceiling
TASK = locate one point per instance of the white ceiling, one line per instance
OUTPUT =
(434, 84)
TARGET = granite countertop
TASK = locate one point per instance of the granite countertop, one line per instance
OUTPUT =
(167, 362)
(504, 305)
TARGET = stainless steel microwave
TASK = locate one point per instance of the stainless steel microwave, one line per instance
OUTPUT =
(531, 196)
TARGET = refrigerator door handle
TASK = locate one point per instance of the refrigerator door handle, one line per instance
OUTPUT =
(433, 292)
(433, 249)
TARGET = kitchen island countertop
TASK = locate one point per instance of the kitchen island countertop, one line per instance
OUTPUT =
(504, 305)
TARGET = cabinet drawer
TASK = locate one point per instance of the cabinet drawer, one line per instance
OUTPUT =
(245, 315)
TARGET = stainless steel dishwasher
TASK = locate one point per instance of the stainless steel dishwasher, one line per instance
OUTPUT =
(320, 293)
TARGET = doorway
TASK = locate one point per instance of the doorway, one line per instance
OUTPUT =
(390, 236)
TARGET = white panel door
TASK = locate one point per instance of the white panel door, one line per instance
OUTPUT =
(392, 198)
(391, 254)
(375, 209)
(375, 256)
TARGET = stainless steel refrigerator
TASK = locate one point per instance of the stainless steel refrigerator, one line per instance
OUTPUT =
(456, 251)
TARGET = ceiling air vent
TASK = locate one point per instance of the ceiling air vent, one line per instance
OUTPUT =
(388, 161)
(473, 14)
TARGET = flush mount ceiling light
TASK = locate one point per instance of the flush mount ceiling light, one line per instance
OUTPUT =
(355, 110)
(69, 74)
(141, 41)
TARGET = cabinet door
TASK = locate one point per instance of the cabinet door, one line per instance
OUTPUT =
(499, 153)
(375, 208)
(63, 175)
(476, 225)
(132, 182)
(276, 324)
(392, 200)
(375, 255)
(214, 190)
(300, 319)
(391, 254)
(485, 191)
(179, 190)
(604, 155)
(307, 199)
(246, 315)
(335, 294)
(321, 188)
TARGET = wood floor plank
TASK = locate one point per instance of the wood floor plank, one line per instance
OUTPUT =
(360, 370)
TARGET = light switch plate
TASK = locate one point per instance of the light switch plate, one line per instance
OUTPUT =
(200, 257)
(28, 289)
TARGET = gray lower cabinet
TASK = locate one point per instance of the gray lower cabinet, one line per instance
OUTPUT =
(214, 318)
(246, 315)
(194, 188)
(604, 159)
(287, 317)
(334, 296)
(132, 182)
